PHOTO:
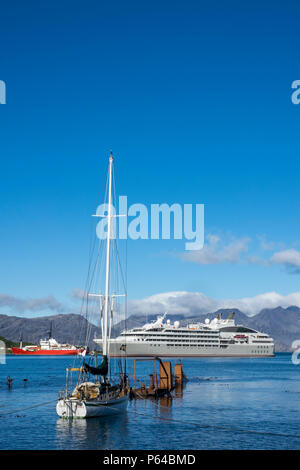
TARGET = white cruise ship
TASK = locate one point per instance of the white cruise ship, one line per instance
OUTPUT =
(218, 337)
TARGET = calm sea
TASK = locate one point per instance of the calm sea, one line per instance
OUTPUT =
(227, 404)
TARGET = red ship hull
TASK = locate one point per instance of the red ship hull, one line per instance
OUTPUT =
(46, 352)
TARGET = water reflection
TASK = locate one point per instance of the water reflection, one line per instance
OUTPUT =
(178, 390)
(93, 433)
(165, 404)
(244, 393)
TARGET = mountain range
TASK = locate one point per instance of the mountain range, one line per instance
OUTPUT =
(66, 328)
(282, 324)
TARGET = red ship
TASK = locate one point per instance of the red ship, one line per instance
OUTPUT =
(48, 347)
(38, 350)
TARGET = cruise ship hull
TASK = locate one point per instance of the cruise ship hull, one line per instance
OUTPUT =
(140, 349)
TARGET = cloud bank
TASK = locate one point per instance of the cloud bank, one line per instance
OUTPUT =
(217, 252)
(194, 303)
(288, 258)
(238, 250)
(19, 305)
(178, 302)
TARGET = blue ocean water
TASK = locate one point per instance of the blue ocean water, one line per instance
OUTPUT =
(227, 404)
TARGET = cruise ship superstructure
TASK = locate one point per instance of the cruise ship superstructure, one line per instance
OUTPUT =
(218, 337)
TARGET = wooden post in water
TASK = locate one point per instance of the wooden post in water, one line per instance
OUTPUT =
(178, 372)
(152, 386)
(155, 376)
(166, 375)
(134, 373)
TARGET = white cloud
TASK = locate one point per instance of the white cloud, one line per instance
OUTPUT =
(213, 239)
(216, 252)
(172, 302)
(193, 303)
(19, 305)
(253, 305)
(234, 251)
(253, 259)
(289, 258)
(178, 302)
(264, 244)
(78, 293)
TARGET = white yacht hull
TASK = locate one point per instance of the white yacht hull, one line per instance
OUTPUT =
(146, 349)
(71, 408)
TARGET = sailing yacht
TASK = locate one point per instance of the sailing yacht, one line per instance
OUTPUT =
(96, 392)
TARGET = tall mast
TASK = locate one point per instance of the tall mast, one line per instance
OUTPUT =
(106, 299)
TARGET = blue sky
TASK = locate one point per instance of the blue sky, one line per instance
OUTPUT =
(194, 98)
